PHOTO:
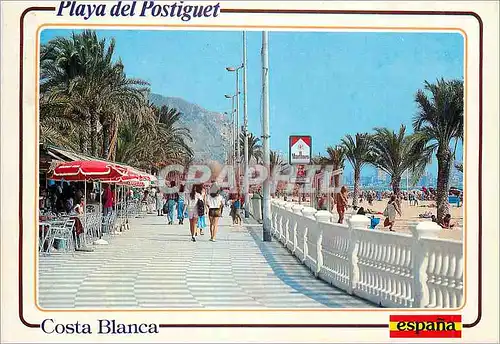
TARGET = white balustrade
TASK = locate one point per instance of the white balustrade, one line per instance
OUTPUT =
(443, 266)
(288, 222)
(306, 249)
(303, 238)
(390, 269)
(280, 218)
(291, 235)
(335, 246)
(385, 270)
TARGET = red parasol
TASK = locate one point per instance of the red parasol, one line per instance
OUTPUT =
(88, 170)
(136, 183)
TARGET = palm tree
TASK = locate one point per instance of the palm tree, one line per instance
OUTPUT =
(395, 152)
(336, 158)
(439, 121)
(61, 64)
(276, 162)
(357, 151)
(122, 97)
(153, 140)
(254, 147)
(81, 82)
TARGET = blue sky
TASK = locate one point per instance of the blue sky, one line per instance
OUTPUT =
(321, 84)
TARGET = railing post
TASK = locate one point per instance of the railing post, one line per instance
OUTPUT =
(356, 222)
(420, 259)
(309, 212)
(323, 216)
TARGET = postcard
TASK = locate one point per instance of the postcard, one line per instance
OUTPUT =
(247, 171)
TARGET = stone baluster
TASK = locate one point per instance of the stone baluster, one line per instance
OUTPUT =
(420, 259)
(325, 217)
(288, 221)
(356, 223)
(310, 213)
(292, 241)
(304, 211)
(280, 219)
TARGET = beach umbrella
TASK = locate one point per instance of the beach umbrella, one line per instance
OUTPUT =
(83, 170)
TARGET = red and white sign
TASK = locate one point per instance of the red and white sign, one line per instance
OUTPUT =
(300, 150)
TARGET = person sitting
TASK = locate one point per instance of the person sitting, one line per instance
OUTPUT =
(78, 209)
(369, 198)
(446, 222)
(426, 215)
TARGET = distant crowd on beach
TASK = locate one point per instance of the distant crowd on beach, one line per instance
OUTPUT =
(340, 202)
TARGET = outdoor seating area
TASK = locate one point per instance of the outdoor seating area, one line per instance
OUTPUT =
(63, 233)
(92, 221)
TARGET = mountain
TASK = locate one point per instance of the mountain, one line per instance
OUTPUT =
(210, 130)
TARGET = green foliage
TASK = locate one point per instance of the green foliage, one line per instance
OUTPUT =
(88, 104)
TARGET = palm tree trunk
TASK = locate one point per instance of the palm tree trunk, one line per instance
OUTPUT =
(357, 177)
(105, 140)
(83, 141)
(336, 181)
(93, 134)
(396, 184)
(336, 184)
(112, 146)
(443, 181)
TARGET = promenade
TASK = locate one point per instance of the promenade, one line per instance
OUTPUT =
(154, 265)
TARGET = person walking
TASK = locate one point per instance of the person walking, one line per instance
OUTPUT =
(215, 204)
(192, 209)
(369, 198)
(159, 202)
(145, 202)
(390, 213)
(171, 203)
(342, 203)
(200, 226)
(108, 199)
(236, 206)
(181, 205)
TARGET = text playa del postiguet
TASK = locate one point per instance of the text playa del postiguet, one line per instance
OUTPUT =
(138, 8)
(103, 326)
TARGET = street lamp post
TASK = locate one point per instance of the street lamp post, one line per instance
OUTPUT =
(245, 128)
(234, 129)
(266, 214)
(238, 154)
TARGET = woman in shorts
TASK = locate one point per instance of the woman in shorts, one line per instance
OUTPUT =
(192, 209)
(215, 205)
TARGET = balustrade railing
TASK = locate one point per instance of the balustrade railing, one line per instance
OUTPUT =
(416, 270)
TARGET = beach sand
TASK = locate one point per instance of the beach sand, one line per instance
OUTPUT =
(410, 215)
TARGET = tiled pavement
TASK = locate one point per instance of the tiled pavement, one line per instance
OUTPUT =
(157, 266)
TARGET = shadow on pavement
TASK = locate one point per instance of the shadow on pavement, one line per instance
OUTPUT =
(336, 298)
